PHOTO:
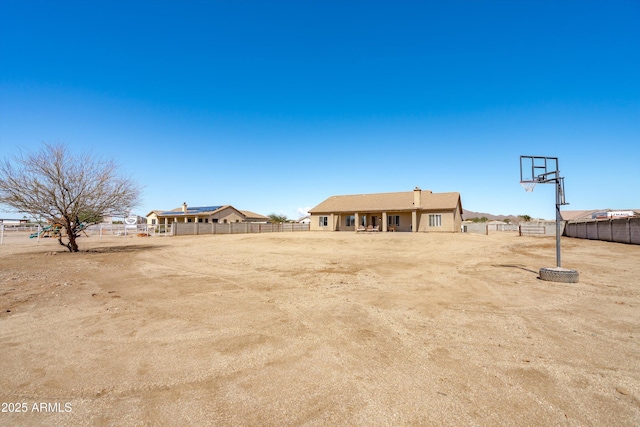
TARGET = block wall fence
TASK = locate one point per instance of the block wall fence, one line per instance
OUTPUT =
(198, 228)
(620, 230)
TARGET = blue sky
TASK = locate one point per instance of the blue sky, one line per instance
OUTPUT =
(273, 106)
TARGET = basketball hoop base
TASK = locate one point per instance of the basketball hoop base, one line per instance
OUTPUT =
(559, 274)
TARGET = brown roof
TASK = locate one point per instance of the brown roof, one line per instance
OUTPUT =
(585, 215)
(388, 202)
(191, 211)
(576, 215)
(253, 215)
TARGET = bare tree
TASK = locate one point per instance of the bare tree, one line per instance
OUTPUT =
(74, 191)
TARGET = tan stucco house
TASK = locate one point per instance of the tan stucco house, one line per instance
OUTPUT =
(254, 217)
(205, 214)
(417, 210)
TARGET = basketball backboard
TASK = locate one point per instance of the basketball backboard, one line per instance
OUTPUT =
(538, 169)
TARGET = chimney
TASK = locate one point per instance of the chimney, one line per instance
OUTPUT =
(184, 207)
(417, 197)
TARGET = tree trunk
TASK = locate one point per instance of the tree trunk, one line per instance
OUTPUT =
(71, 235)
(73, 246)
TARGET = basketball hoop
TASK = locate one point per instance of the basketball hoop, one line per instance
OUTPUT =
(528, 185)
(545, 170)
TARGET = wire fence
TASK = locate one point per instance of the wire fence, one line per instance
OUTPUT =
(532, 228)
(484, 228)
(37, 232)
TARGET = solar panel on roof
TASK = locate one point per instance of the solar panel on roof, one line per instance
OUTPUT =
(204, 208)
(193, 210)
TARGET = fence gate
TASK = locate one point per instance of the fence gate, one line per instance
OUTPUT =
(532, 230)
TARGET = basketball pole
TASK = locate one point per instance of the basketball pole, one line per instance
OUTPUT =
(558, 221)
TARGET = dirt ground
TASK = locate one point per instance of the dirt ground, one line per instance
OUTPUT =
(319, 329)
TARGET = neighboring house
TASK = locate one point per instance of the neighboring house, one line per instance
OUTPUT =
(577, 215)
(304, 220)
(254, 217)
(415, 211)
(206, 214)
(8, 221)
(597, 214)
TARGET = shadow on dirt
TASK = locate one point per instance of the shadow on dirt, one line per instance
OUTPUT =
(516, 266)
(105, 250)
(122, 249)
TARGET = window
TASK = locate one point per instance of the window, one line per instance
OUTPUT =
(214, 220)
(153, 222)
(393, 220)
(324, 221)
(199, 219)
(435, 220)
(351, 220)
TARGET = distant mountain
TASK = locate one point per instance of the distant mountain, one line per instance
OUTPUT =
(567, 215)
(466, 214)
